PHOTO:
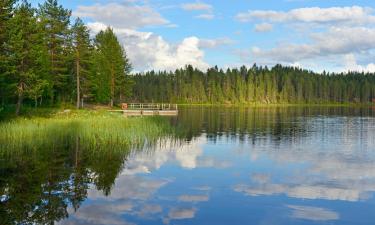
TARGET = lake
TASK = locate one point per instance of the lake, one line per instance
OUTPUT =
(222, 165)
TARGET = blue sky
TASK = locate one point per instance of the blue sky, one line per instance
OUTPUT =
(333, 35)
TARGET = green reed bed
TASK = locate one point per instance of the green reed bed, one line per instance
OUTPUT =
(91, 130)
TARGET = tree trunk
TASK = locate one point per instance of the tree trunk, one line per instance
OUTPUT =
(20, 99)
(112, 86)
(78, 81)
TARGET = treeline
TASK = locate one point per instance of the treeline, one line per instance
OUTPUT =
(254, 85)
(46, 59)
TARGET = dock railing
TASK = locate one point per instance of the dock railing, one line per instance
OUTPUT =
(151, 106)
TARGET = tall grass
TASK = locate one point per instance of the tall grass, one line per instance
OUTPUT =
(95, 130)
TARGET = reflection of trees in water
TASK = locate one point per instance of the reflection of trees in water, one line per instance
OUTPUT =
(38, 186)
(244, 123)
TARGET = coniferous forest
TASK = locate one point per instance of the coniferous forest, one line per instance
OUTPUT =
(47, 59)
(279, 84)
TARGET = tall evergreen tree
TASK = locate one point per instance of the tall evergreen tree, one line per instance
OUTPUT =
(113, 64)
(26, 54)
(55, 19)
(82, 57)
(6, 13)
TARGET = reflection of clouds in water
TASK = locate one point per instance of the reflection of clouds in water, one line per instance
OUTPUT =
(203, 188)
(135, 191)
(312, 213)
(127, 197)
(130, 187)
(193, 198)
(187, 155)
(301, 191)
(260, 177)
(104, 213)
(149, 210)
(345, 179)
(180, 214)
(337, 162)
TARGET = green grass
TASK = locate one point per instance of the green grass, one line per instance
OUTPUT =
(95, 130)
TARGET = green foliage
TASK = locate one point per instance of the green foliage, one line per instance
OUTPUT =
(45, 60)
(26, 55)
(96, 129)
(112, 67)
(83, 59)
(55, 22)
(256, 85)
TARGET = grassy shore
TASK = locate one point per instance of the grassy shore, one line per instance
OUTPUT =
(94, 130)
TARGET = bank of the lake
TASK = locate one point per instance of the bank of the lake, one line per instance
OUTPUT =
(94, 129)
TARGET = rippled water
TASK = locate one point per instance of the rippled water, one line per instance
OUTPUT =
(223, 166)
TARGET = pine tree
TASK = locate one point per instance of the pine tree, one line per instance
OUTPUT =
(6, 13)
(55, 20)
(26, 54)
(82, 57)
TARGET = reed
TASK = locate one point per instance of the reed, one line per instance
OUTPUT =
(95, 130)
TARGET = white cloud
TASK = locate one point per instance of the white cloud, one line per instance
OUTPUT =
(320, 36)
(352, 65)
(214, 43)
(352, 15)
(148, 51)
(312, 213)
(263, 27)
(336, 41)
(196, 6)
(122, 15)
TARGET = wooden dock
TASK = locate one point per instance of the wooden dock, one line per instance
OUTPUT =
(148, 109)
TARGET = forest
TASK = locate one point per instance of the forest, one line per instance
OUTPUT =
(47, 59)
(255, 85)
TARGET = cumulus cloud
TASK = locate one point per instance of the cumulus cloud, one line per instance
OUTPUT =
(263, 27)
(148, 51)
(196, 6)
(319, 35)
(351, 15)
(124, 15)
(312, 213)
(336, 41)
(352, 65)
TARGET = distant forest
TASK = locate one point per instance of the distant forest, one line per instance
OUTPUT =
(46, 60)
(263, 85)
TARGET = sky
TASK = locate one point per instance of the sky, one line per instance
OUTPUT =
(330, 35)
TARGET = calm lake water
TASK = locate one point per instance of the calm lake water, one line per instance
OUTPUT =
(235, 166)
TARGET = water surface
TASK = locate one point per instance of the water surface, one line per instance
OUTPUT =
(266, 166)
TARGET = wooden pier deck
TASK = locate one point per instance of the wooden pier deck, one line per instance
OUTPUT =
(148, 109)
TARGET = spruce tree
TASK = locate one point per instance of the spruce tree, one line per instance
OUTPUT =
(113, 64)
